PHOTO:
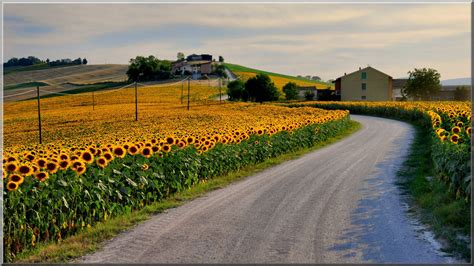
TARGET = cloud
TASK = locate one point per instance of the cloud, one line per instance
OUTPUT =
(288, 38)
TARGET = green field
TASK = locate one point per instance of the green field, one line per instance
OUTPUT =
(239, 68)
(24, 85)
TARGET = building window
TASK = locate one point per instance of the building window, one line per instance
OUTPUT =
(364, 86)
(363, 75)
(363, 97)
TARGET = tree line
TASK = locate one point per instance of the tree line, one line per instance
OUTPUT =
(32, 60)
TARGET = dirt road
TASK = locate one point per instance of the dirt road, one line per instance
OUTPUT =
(338, 204)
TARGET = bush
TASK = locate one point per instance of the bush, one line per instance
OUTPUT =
(261, 89)
(236, 91)
(291, 91)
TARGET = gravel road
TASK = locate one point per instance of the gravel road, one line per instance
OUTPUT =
(338, 204)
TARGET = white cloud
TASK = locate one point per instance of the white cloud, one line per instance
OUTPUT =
(279, 37)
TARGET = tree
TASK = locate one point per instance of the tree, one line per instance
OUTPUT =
(308, 77)
(315, 78)
(47, 60)
(291, 91)
(236, 91)
(309, 94)
(148, 68)
(221, 59)
(180, 56)
(261, 89)
(84, 61)
(422, 83)
(461, 93)
(220, 71)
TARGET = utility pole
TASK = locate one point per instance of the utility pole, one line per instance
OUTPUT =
(136, 102)
(182, 91)
(220, 93)
(39, 113)
(189, 84)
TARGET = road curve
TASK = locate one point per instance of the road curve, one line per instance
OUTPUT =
(338, 204)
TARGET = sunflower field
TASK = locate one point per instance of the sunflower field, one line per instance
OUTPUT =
(449, 122)
(100, 163)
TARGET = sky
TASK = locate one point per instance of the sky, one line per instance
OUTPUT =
(326, 40)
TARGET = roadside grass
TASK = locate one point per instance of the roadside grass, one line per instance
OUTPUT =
(93, 238)
(432, 202)
(25, 85)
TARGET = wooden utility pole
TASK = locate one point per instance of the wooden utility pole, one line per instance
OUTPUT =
(189, 84)
(182, 91)
(220, 93)
(39, 113)
(136, 102)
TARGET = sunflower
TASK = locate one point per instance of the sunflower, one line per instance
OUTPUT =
(87, 156)
(155, 148)
(64, 164)
(454, 138)
(456, 130)
(11, 167)
(108, 156)
(166, 148)
(42, 176)
(16, 178)
(190, 139)
(119, 152)
(145, 167)
(468, 131)
(52, 167)
(77, 164)
(170, 140)
(30, 157)
(12, 186)
(11, 159)
(181, 144)
(132, 150)
(25, 170)
(80, 170)
(102, 162)
(147, 152)
(64, 157)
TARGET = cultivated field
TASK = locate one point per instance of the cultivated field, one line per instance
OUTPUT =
(97, 162)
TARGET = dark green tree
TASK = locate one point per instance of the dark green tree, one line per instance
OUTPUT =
(236, 91)
(461, 93)
(221, 59)
(421, 83)
(180, 56)
(148, 68)
(84, 61)
(291, 91)
(261, 89)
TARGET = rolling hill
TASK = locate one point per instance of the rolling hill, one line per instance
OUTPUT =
(279, 79)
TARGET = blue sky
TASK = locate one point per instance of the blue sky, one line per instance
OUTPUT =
(307, 39)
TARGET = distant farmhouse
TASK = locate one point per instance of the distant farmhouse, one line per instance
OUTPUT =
(367, 84)
(370, 84)
(195, 65)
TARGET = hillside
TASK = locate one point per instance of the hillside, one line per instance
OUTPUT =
(279, 79)
(60, 79)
